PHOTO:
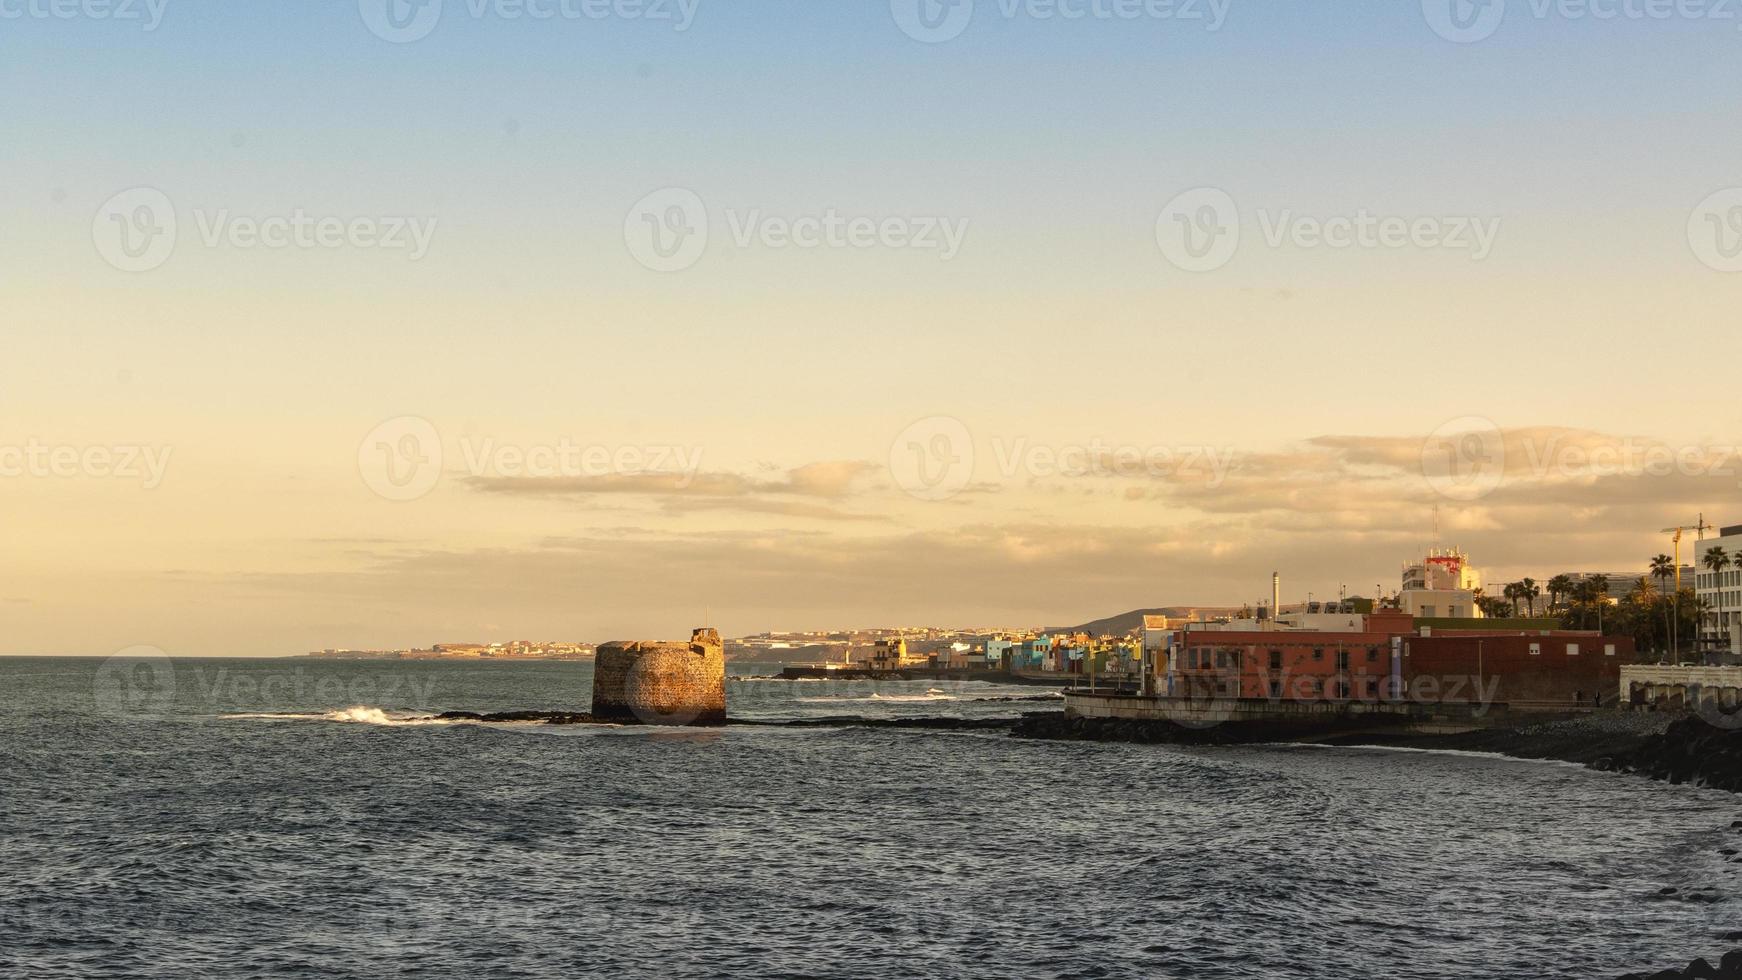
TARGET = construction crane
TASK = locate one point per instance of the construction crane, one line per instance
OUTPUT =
(1700, 528)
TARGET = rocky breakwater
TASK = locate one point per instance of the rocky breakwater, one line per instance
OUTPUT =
(1705, 750)
(655, 683)
(1728, 968)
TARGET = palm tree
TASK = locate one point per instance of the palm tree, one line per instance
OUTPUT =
(1599, 596)
(1529, 591)
(1643, 598)
(1511, 592)
(1663, 566)
(1716, 560)
(1558, 586)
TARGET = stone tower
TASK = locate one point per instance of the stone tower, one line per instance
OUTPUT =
(654, 683)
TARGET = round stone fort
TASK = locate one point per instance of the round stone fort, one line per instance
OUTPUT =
(653, 683)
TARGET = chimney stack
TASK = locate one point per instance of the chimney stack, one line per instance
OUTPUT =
(1275, 594)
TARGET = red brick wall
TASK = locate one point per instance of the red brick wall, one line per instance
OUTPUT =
(1508, 671)
(1435, 668)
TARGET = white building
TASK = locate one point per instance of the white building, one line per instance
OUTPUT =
(1722, 591)
(1442, 585)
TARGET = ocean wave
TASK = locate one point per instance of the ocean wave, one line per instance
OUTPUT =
(357, 714)
(932, 694)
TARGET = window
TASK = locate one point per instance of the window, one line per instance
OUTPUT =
(1221, 658)
(1342, 660)
(1318, 653)
(1572, 649)
(1608, 649)
(1372, 654)
(1536, 649)
(1276, 689)
(1276, 660)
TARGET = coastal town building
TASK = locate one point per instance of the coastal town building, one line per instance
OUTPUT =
(1389, 658)
(1721, 591)
(1442, 585)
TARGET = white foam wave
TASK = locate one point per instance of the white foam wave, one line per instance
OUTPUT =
(932, 695)
(357, 714)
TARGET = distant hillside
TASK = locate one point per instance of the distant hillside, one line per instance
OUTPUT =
(1128, 622)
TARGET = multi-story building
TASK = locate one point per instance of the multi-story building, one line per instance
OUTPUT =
(1721, 626)
(1442, 585)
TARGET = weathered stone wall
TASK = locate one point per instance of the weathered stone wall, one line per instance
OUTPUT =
(655, 683)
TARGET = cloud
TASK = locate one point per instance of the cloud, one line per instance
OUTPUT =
(832, 480)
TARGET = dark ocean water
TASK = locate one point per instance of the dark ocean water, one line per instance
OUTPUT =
(147, 832)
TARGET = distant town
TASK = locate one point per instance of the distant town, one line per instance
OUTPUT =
(1672, 609)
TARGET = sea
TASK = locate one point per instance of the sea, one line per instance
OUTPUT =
(301, 818)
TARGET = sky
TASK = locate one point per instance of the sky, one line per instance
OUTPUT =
(378, 324)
